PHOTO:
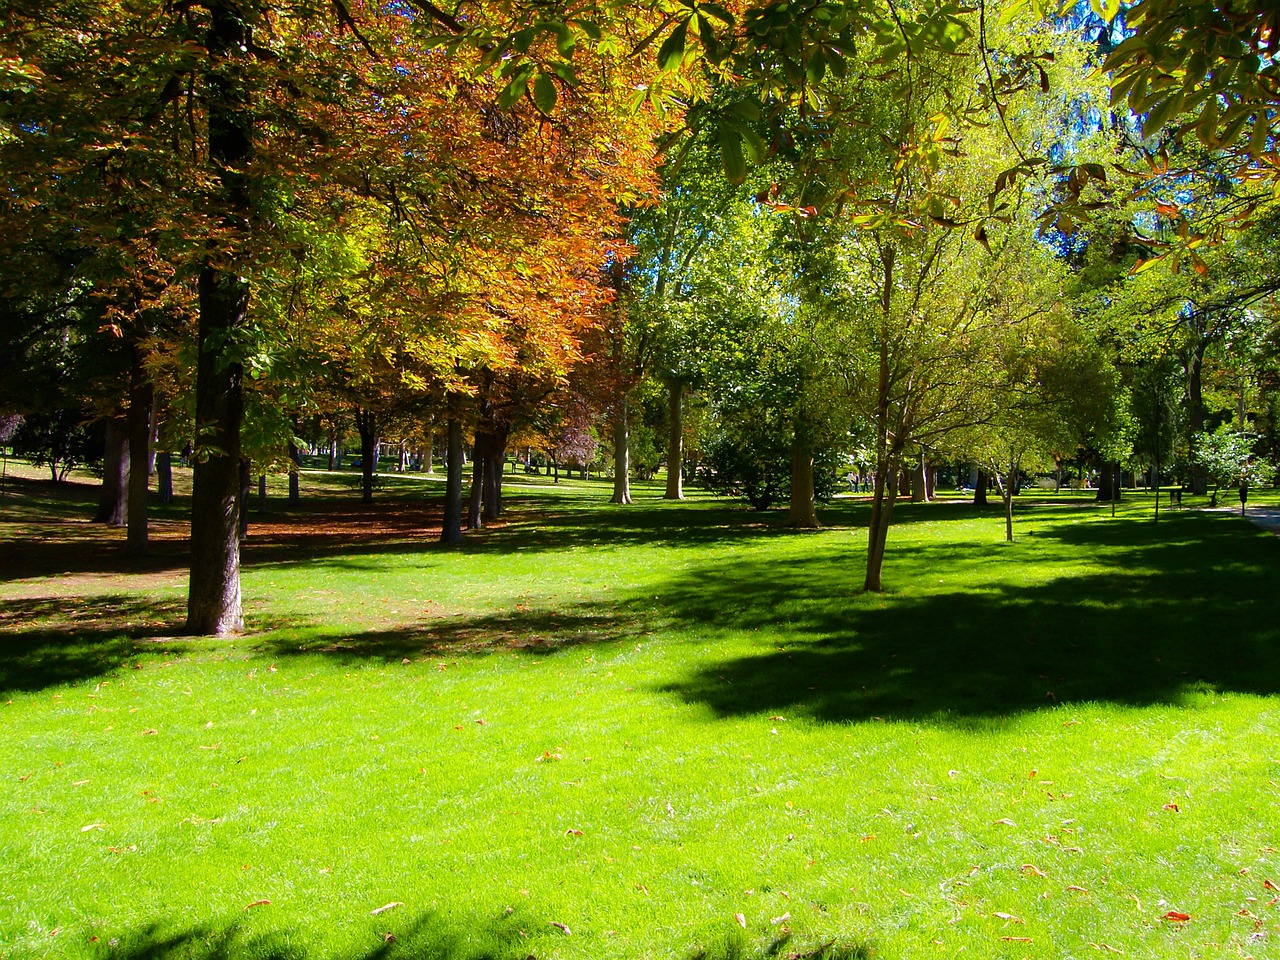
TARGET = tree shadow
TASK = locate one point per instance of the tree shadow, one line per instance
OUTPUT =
(514, 935)
(80, 638)
(1186, 608)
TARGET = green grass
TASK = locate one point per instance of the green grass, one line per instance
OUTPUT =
(640, 723)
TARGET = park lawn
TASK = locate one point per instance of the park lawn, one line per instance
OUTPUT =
(673, 730)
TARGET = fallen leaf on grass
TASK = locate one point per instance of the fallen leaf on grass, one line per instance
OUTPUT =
(1175, 917)
(561, 927)
(385, 907)
(1017, 939)
(782, 919)
(257, 903)
(149, 733)
(388, 937)
(1074, 889)
(1006, 822)
(92, 826)
(1033, 869)
(547, 756)
(742, 921)
(1007, 916)
(1269, 885)
(572, 832)
(1171, 806)
(1105, 946)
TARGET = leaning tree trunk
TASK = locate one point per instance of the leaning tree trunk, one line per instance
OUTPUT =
(451, 528)
(621, 453)
(675, 440)
(112, 500)
(801, 513)
(141, 407)
(882, 502)
(213, 599)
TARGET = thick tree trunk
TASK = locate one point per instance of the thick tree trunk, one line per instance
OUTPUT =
(451, 528)
(675, 440)
(801, 513)
(621, 453)
(112, 499)
(141, 408)
(262, 492)
(164, 476)
(333, 446)
(980, 489)
(213, 600)
(495, 456)
(920, 481)
(1108, 481)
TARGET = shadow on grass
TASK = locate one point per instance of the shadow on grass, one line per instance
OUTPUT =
(1183, 608)
(79, 638)
(512, 936)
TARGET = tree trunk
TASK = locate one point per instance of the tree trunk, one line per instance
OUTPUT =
(213, 600)
(920, 481)
(333, 445)
(1195, 418)
(675, 441)
(112, 499)
(141, 408)
(295, 469)
(429, 458)
(495, 457)
(451, 528)
(1108, 481)
(882, 502)
(980, 489)
(801, 513)
(475, 517)
(164, 476)
(367, 424)
(262, 492)
(621, 453)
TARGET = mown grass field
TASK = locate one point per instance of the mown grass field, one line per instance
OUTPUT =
(671, 730)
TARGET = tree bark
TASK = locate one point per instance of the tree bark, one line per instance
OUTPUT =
(675, 440)
(451, 528)
(495, 457)
(164, 476)
(1195, 417)
(112, 499)
(213, 600)
(1108, 481)
(429, 458)
(295, 468)
(475, 517)
(367, 424)
(801, 512)
(262, 492)
(882, 503)
(980, 489)
(141, 409)
(920, 480)
(621, 453)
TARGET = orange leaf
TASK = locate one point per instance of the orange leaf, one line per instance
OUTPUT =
(258, 903)
(1176, 917)
(1171, 806)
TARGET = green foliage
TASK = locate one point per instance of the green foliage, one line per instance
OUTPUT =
(59, 440)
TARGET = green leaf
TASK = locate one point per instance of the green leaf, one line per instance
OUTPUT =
(671, 54)
(735, 165)
(512, 92)
(816, 68)
(545, 93)
(589, 28)
(1161, 113)
(565, 41)
(523, 39)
